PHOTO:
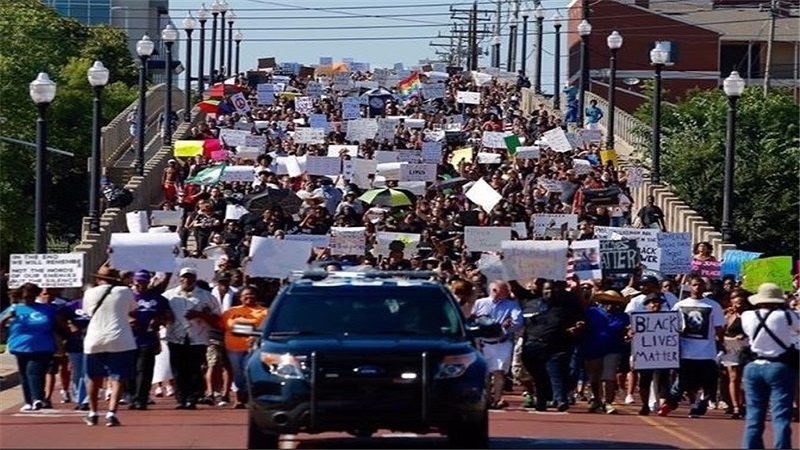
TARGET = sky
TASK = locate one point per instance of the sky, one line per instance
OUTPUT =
(379, 32)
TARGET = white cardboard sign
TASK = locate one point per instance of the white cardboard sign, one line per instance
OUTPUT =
(348, 240)
(527, 260)
(47, 270)
(155, 252)
(484, 195)
(469, 98)
(485, 239)
(323, 165)
(275, 258)
(656, 340)
(418, 172)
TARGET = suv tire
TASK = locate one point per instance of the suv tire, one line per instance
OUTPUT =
(256, 438)
(469, 434)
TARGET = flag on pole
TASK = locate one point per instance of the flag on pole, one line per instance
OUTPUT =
(210, 175)
(409, 85)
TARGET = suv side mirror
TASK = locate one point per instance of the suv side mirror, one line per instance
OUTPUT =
(245, 329)
(484, 327)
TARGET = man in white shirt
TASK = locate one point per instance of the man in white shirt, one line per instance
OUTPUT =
(650, 285)
(196, 311)
(218, 366)
(702, 325)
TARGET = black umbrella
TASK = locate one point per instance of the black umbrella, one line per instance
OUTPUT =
(284, 198)
(450, 183)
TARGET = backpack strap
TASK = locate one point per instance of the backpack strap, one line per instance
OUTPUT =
(102, 299)
(762, 325)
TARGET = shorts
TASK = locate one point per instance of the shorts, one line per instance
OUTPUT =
(112, 365)
(216, 355)
(603, 368)
(498, 356)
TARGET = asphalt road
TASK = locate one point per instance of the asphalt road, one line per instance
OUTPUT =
(213, 427)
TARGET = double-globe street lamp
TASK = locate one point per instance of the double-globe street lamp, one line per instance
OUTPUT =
(584, 30)
(512, 45)
(231, 20)
(524, 56)
(538, 12)
(98, 78)
(734, 87)
(42, 91)
(188, 26)
(238, 39)
(614, 41)
(169, 35)
(659, 57)
(216, 8)
(557, 62)
(202, 17)
(223, 9)
(144, 48)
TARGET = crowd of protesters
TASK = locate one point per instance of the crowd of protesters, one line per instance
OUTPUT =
(565, 341)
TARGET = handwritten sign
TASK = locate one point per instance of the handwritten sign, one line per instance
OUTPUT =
(656, 340)
(777, 269)
(528, 152)
(348, 240)
(676, 253)
(418, 172)
(557, 140)
(351, 109)
(485, 239)
(527, 260)
(49, 270)
(242, 174)
(168, 218)
(432, 152)
(274, 258)
(483, 194)
(316, 240)
(468, 98)
(494, 139)
(560, 224)
(433, 90)
(619, 257)
(265, 94)
(710, 269)
(314, 89)
(323, 165)
(646, 240)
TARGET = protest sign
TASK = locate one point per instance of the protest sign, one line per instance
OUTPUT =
(468, 98)
(241, 174)
(527, 260)
(351, 109)
(586, 259)
(342, 81)
(489, 158)
(635, 176)
(732, 261)
(265, 94)
(188, 149)
(491, 266)
(239, 102)
(137, 221)
(319, 121)
(609, 156)
(527, 152)
(266, 63)
(233, 138)
(386, 241)
(361, 130)
(581, 166)
(777, 269)
(339, 150)
(316, 240)
(620, 257)
(390, 171)
(325, 61)
(646, 241)
(555, 225)
(304, 105)
(433, 90)
(432, 152)
(418, 172)
(234, 212)
(348, 240)
(149, 251)
(46, 270)
(290, 165)
(168, 218)
(552, 186)
(557, 140)
(594, 136)
(408, 155)
(494, 139)
(204, 267)
(512, 143)
(485, 239)
(484, 195)
(359, 171)
(710, 269)
(656, 340)
(676, 253)
(521, 228)
(461, 154)
(275, 258)
(323, 165)
(309, 136)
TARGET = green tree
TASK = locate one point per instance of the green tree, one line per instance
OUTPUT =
(37, 39)
(765, 208)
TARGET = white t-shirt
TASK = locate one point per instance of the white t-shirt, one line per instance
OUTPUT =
(778, 323)
(109, 330)
(195, 329)
(699, 320)
(637, 303)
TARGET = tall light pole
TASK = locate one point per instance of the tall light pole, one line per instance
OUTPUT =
(42, 91)
(614, 41)
(188, 26)
(557, 63)
(98, 78)
(202, 17)
(512, 48)
(584, 30)
(496, 44)
(223, 9)
(538, 12)
(169, 35)
(144, 48)
(238, 39)
(216, 8)
(659, 56)
(231, 19)
(733, 87)
(524, 62)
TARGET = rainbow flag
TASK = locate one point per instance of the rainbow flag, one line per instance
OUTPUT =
(409, 85)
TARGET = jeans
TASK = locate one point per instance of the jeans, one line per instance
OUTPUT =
(548, 369)
(139, 386)
(187, 369)
(78, 375)
(238, 362)
(764, 384)
(32, 369)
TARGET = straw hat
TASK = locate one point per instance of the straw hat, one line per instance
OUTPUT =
(768, 293)
(108, 273)
(609, 296)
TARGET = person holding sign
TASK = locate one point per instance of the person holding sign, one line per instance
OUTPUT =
(653, 303)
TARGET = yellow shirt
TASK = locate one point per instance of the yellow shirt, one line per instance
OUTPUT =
(254, 315)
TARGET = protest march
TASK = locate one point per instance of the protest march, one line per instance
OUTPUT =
(356, 168)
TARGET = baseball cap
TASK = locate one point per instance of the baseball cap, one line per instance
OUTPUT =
(648, 279)
(141, 275)
(187, 271)
(223, 276)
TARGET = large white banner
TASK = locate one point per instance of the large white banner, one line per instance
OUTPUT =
(275, 258)
(155, 252)
(46, 270)
(485, 239)
(526, 260)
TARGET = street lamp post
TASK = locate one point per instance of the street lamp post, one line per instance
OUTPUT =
(512, 48)
(584, 30)
(188, 26)
(238, 38)
(144, 48)
(216, 8)
(42, 91)
(231, 19)
(169, 35)
(496, 44)
(222, 11)
(524, 62)
(537, 75)
(733, 87)
(202, 17)
(98, 78)
(614, 41)
(557, 62)
(659, 56)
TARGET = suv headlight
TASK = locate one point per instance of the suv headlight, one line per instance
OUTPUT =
(283, 365)
(453, 366)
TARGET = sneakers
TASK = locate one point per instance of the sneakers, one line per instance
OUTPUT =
(664, 410)
(595, 407)
(112, 421)
(65, 397)
(645, 411)
(90, 420)
(224, 401)
(159, 392)
(37, 405)
(26, 408)
(562, 407)
(170, 391)
(629, 399)
(610, 409)
(82, 407)
(694, 412)
(527, 400)
(207, 400)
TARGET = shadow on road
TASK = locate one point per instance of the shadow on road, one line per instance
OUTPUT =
(439, 442)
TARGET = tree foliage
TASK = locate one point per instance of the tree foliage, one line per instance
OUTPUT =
(37, 39)
(765, 208)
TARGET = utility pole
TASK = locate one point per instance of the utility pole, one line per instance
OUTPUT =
(469, 33)
(497, 28)
(773, 12)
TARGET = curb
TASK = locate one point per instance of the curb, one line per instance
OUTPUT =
(9, 381)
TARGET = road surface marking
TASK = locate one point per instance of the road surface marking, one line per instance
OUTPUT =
(655, 423)
(399, 435)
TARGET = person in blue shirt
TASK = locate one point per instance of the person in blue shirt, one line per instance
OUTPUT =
(593, 115)
(31, 339)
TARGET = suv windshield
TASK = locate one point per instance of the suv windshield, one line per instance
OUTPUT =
(365, 310)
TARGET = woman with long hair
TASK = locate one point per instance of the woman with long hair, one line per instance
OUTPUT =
(735, 341)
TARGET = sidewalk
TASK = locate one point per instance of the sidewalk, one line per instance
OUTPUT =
(9, 377)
